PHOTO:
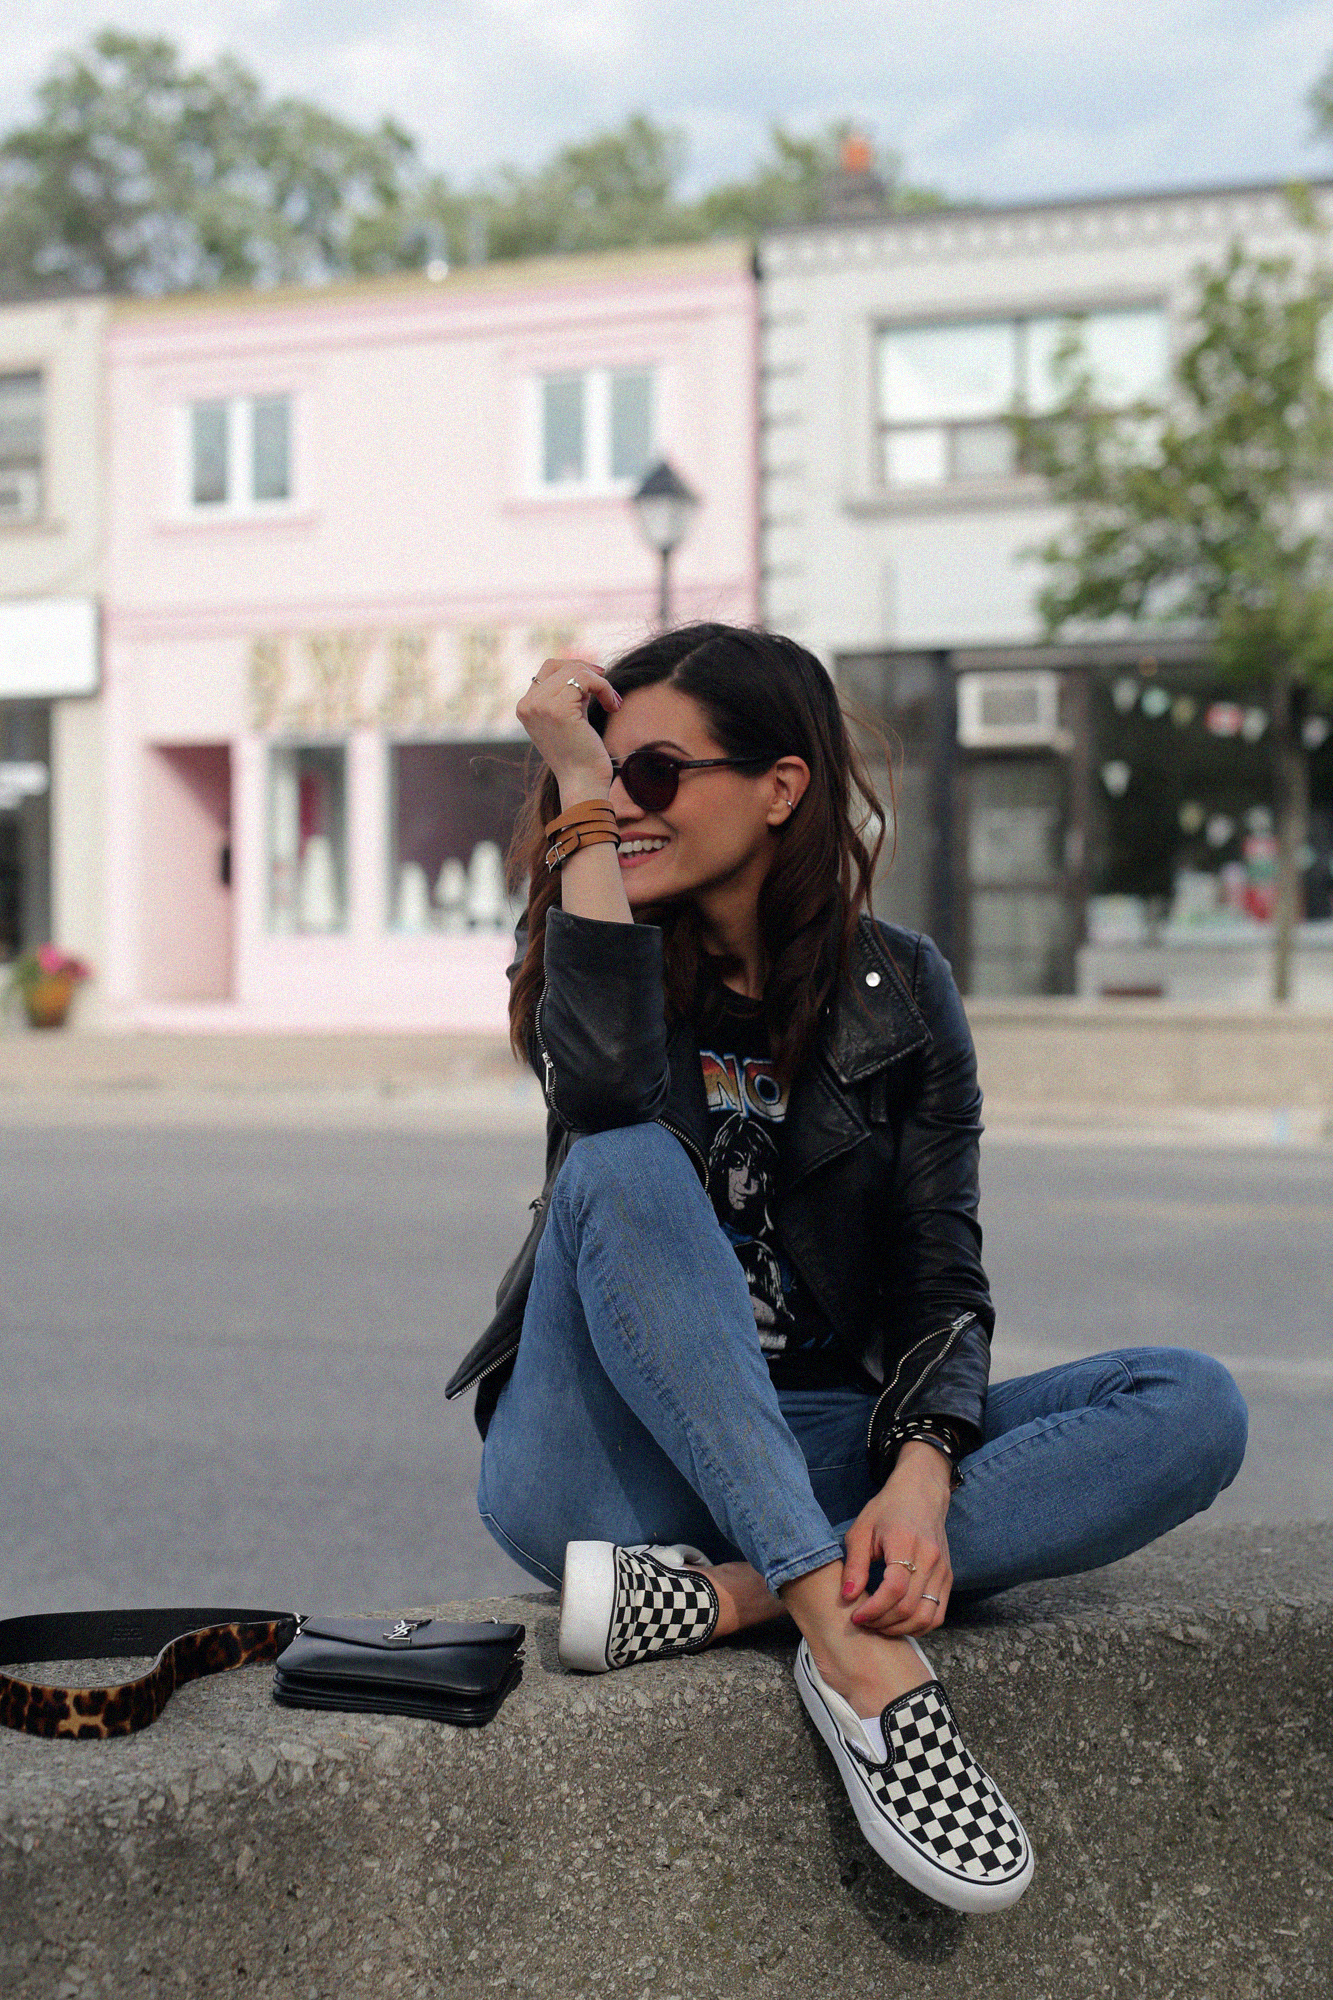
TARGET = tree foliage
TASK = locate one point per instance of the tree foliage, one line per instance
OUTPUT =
(140, 173)
(1211, 513)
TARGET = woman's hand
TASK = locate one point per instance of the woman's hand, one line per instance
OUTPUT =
(904, 1523)
(554, 712)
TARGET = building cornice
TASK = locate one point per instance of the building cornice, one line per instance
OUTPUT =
(519, 278)
(1085, 223)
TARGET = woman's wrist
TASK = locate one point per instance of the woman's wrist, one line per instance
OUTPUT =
(925, 1463)
(579, 787)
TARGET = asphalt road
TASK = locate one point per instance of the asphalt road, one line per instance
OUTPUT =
(222, 1351)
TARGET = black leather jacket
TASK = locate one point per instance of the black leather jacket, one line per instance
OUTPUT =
(877, 1195)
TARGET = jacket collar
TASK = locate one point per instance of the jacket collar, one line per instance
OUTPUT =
(875, 1019)
(873, 1022)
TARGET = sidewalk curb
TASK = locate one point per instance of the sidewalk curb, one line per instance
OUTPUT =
(678, 1829)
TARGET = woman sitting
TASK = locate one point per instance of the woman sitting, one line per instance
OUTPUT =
(740, 1368)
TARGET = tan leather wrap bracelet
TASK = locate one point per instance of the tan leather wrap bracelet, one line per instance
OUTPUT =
(590, 824)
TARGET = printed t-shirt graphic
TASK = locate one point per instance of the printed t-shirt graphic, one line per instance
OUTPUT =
(746, 1109)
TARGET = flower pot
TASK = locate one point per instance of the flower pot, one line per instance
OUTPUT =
(47, 999)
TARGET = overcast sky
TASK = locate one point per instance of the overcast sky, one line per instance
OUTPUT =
(1001, 100)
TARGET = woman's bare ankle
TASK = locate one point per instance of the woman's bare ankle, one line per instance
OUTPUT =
(865, 1669)
(743, 1598)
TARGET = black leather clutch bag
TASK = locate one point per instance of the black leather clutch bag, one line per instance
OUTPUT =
(414, 1666)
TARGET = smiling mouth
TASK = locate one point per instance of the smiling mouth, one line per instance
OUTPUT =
(639, 850)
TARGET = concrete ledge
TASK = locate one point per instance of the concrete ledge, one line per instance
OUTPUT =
(70, 1061)
(1114, 1054)
(1164, 1727)
(1144, 1070)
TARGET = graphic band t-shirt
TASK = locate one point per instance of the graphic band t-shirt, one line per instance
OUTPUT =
(746, 1108)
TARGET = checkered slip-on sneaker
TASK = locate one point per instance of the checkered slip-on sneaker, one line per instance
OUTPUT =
(618, 1605)
(928, 1809)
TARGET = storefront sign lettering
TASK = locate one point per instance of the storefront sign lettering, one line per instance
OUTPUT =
(408, 681)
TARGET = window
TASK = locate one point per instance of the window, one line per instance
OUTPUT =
(240, 453)
(21, 446)
(596, 428)
(946, 391)
(563, 454)
(307, 837)
(454, 807)
(270, 448)
(631, 422)
(208, 454)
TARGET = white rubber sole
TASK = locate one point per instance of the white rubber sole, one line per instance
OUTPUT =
(587, 1603)
(955, 1892)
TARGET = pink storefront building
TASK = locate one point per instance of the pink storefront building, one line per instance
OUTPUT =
(345, 527)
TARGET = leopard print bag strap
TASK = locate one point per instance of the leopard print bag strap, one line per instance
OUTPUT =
(187, 1643)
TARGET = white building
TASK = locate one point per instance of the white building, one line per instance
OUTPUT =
(897, 540)
(51, 531)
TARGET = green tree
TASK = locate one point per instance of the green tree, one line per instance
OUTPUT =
(140, 174)
(1211, 513)
(623, 187)
(616, 188)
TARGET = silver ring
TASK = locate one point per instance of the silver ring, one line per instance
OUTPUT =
(926, 1598)
(901, 1562)
(576, 684)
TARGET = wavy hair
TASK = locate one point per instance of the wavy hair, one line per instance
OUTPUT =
(765, 697)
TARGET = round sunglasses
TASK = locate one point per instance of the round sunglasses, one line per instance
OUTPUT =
(652, 777)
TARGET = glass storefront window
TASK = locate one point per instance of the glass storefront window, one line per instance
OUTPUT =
(453, 812)
(1183, 828)
(307, 837)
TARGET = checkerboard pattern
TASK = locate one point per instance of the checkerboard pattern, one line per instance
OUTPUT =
(938, 1796)
(659, 1610)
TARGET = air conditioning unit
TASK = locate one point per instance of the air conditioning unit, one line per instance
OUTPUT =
(20, 493)
(1010, 711)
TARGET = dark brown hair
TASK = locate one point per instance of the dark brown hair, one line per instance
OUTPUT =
(763, 696)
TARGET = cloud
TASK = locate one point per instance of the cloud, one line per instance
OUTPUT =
(1004, 100)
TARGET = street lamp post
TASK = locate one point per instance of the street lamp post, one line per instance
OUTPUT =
(665, 507)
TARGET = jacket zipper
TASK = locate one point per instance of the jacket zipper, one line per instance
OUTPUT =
(547, 1065)
(956, 1331)
(689, 1145)
(506, 1355)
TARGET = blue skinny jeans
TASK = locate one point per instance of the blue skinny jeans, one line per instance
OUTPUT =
(641, 1409)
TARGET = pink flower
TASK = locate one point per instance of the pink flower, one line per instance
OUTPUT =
(51, 962)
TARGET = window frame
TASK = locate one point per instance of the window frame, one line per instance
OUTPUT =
(36, 463)
(293, 746)
(1019, 323)
(239, 502)
(598, 480)
(469, 745)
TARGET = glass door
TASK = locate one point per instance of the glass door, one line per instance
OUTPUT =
(1020, 910)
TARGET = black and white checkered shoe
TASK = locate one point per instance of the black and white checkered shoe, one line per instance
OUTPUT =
(618, 1605)
(928, 1808)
